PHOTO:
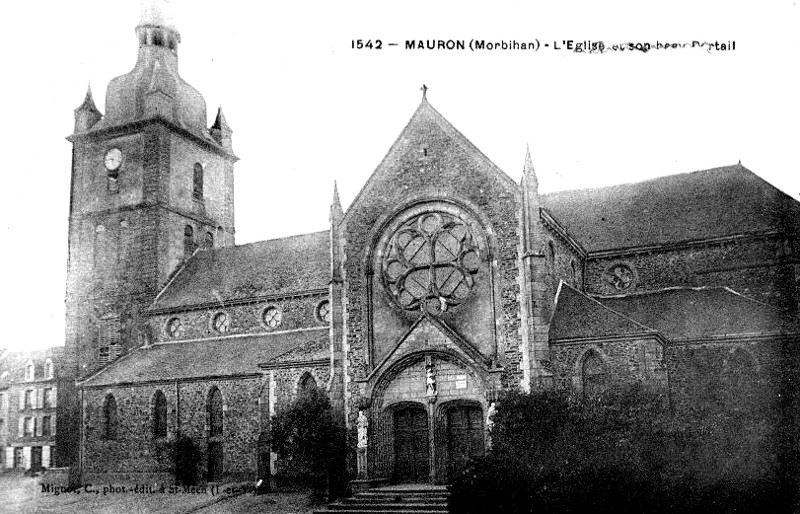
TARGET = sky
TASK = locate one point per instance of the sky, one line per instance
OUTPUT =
(307, 109)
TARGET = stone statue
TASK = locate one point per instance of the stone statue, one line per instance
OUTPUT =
(430, 380)
(362, 424)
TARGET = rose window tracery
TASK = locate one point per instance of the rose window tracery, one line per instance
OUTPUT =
(430, 262)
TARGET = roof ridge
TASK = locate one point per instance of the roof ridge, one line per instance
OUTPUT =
(316, 232)
(652, 179)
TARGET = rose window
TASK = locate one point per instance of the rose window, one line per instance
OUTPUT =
(430, 263)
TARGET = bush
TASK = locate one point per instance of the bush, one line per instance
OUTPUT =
(622, 452)
(185, 458)
(312, 444)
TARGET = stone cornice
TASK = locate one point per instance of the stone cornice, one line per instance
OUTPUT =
(138, 125)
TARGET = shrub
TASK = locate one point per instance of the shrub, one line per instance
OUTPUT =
(312, 443)
(185, 458)
(623, 452)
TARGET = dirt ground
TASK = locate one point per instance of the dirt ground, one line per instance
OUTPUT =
(21, 494)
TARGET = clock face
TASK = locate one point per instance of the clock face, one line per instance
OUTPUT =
(113, 159)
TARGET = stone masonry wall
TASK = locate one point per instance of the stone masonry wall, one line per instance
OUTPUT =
(136, 456)
(431, 164)
(758, 268)
(297, 312)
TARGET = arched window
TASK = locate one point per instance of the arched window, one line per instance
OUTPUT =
(551, 253)
(209, 240)
(574, 273)
(188, 241)
(48, 369)
(215, 413)
(29, 371)
(110, 417)
(159, 415)
(197, 181)
(307, 385)
(593, 375)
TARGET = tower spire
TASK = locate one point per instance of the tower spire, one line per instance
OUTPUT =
(528, 173)
(87, 114)
(336, 204)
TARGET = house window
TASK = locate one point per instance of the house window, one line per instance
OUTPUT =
(29, 371)
(188, 241)
(159, 415)
(28, 399)
(197, 182)
(110, 417)
(209, 240)
(47, 398)
(215, 413)
(593, 375)
(46, 422)
(27, 427)
(48, 369)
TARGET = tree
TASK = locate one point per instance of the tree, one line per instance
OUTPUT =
(312, 443)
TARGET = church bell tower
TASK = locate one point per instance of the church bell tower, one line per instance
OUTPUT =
(151, 184)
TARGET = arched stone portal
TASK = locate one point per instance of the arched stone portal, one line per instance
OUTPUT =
(426, 418)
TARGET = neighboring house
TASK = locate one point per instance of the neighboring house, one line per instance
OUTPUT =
(443, 284)
(28, 407)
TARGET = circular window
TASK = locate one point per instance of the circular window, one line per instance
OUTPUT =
(430, 262)
(324, 311)
(272, 317)
(173, 327)
(220, 322)
(620, 276)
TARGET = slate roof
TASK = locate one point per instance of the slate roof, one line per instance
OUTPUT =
(201, 358)
(274, 267)
(578, 316)
(704, 204)
(315, 349)
(694, 313)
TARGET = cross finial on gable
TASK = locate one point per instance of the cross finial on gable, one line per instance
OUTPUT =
(424, 90)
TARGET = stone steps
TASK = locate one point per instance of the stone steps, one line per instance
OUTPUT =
(393, 500)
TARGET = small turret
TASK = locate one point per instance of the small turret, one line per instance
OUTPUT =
(221, 132)
(87, 114)
(530, 203)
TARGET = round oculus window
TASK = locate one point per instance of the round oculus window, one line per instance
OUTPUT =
(272, 317)
(220, 322)
(174, 327)
(430, 263)
(324, 311)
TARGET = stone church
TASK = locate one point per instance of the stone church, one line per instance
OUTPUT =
(443, 284)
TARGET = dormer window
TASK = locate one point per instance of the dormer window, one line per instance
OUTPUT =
(48, 369)
(29, 371)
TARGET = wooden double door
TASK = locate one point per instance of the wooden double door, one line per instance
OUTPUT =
(463, 436)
